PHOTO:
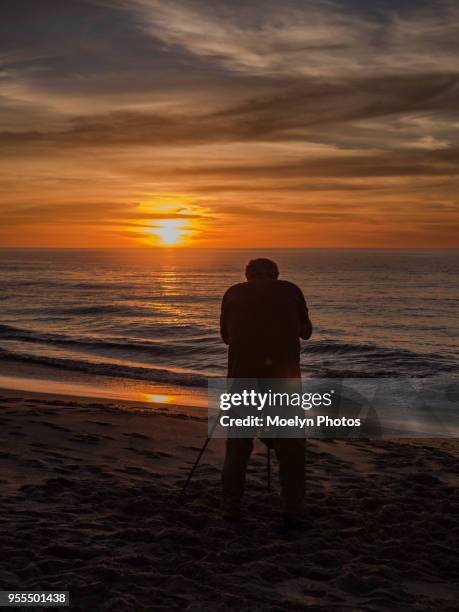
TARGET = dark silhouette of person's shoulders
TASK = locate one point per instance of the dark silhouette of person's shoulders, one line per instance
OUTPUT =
(262, 286)
(234, 289)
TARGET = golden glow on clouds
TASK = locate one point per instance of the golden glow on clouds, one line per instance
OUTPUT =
(221, 127)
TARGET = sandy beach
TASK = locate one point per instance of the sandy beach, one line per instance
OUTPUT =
(89, 504)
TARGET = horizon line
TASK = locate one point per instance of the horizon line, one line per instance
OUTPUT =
(172, 248)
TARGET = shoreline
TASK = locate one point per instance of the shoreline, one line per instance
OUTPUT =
(16, 375)
(102, 403)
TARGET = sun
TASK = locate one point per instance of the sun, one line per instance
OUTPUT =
(170, 231)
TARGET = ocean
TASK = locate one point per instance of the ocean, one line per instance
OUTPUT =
(147, 319)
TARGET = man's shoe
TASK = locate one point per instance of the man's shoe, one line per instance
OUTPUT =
(292, 522)
(231, 513)
(232, 517)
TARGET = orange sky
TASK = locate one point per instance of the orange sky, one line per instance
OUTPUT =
(136, 122)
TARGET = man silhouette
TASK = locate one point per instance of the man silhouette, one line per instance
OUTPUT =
(262, 321)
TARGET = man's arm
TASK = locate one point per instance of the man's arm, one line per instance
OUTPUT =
(306, 328)
(305, 321)
(223, 318)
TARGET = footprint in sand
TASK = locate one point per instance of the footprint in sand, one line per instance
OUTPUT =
(72, 467)
(49, 425)
(101, 423)
(86, 438)
(136, 435)
(148, 453)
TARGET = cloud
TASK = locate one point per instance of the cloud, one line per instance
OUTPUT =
(292, 113)
(429, 142)
(316, 38)
(265, 105)
(95, 215)
(437, 162)
(258, 82)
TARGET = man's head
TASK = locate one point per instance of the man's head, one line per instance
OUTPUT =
(261, 268)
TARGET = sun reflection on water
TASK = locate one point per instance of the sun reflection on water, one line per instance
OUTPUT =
(158, 398)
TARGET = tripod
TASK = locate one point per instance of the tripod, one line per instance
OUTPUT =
(201, 453)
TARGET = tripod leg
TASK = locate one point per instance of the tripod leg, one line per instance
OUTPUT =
(268, 466)
(196, 463)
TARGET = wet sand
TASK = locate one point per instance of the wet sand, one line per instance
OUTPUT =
(89, 504)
